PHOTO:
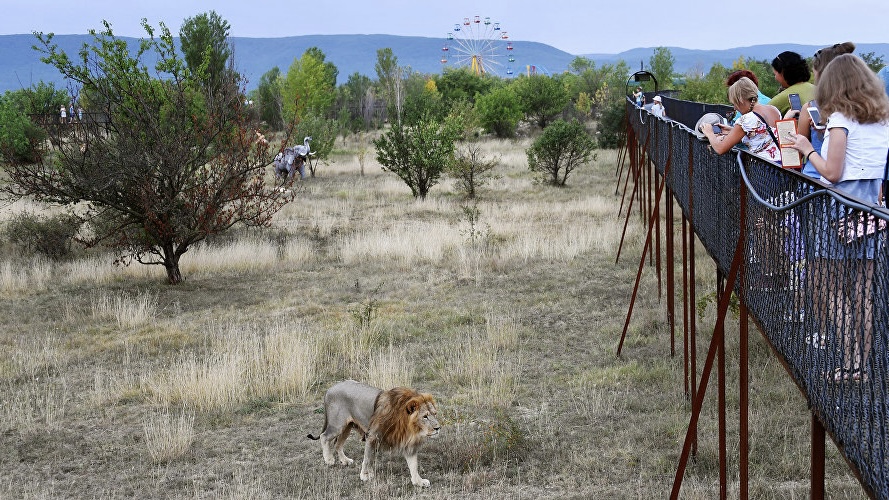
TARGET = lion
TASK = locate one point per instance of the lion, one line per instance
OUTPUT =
(399, 419)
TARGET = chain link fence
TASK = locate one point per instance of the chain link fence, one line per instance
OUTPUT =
(814, 277)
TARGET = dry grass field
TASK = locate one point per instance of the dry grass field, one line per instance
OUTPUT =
(114, 384)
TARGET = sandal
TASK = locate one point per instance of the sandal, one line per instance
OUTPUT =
(816, 340)
(841, 375)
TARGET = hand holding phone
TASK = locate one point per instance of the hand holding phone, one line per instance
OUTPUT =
(795, 102)
(717, 129)
(816, 118)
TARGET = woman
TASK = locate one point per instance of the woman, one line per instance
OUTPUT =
(805, 127)
(853, 158)
(793, 75)
(752, 129)
(733, 77)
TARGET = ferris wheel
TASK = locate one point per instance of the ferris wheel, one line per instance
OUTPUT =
(480, 45)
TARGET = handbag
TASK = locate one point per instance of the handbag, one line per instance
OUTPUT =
(856, 226)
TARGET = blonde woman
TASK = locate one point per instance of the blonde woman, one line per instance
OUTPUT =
(853, 158)
(804, 126)
(753, 129)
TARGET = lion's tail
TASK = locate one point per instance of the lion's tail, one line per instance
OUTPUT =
(314, 438)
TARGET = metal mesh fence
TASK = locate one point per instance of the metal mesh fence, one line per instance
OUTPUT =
(814, 277)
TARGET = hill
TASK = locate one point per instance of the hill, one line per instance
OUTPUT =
(20, 65)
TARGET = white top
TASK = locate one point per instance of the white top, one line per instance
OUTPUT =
(657, 109)
(866, 147)
(757, 137)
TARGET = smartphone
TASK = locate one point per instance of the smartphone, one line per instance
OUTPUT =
(816, 118)
(716, 129)
(795, 102)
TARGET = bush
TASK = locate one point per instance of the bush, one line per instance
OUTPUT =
(48, 236)
(499, 111)
(19, 137)
(561, 148)
(611, 124)
(471, 168)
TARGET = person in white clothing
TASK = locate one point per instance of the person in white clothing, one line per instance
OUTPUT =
(853, 158)
(657, 109)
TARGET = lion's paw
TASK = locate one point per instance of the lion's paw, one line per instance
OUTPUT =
(344, 460)
(329, 460)
(365, 476)
(422, 482)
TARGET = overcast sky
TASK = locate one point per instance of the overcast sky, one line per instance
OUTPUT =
(575, 26)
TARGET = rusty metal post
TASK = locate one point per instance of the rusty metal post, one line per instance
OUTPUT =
(743, 362)
(715, 341)
(817, 467)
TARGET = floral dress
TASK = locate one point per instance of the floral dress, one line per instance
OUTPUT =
(757, 138)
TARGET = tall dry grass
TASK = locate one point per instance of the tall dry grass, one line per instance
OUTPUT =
(207, 389)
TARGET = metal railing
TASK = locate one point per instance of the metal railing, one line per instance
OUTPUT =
(806, 270)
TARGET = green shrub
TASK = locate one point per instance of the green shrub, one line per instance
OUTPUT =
(561, 148)
(611, 124)
(48, 236)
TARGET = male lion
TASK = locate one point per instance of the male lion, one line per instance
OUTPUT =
(399, 419)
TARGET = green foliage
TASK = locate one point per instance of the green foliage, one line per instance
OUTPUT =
(542, 98)
(323, 132)
(20, 139)
(471, 168)
(707, 88)
(355, 101)
(418, 152)
(388, 73)
(734, 304)
(205, 47)
(48, 236)
(179, 164)
(661, 63)
(268, 95)
(561, 148)
(499, 111)
(307, 88)
(612, 124)
(873, 61)
(461, 84)
(420, 100)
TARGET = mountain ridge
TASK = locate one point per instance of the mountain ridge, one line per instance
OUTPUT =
(20, 65)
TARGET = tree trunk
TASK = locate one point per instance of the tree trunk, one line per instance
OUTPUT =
(174, 277)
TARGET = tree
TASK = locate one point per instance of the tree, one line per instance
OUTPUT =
(471, 168)
(542, 98)
(419, 152)
(307, 88)
(389, 77)
(661, 63)
(355, 101)
(176, 164)
(561, 148)
(20, 136)
(707, 88)
(873, 61)
(499, 111)
(268, 94)
(323, 132)
(205, 47)
(461, 84)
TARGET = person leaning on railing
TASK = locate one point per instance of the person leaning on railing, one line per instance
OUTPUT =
(733, 77)
(793, 75)
(752, 129)
(854, 159)
(804, 126)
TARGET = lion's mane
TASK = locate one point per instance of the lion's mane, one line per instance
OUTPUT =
(396, 416)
